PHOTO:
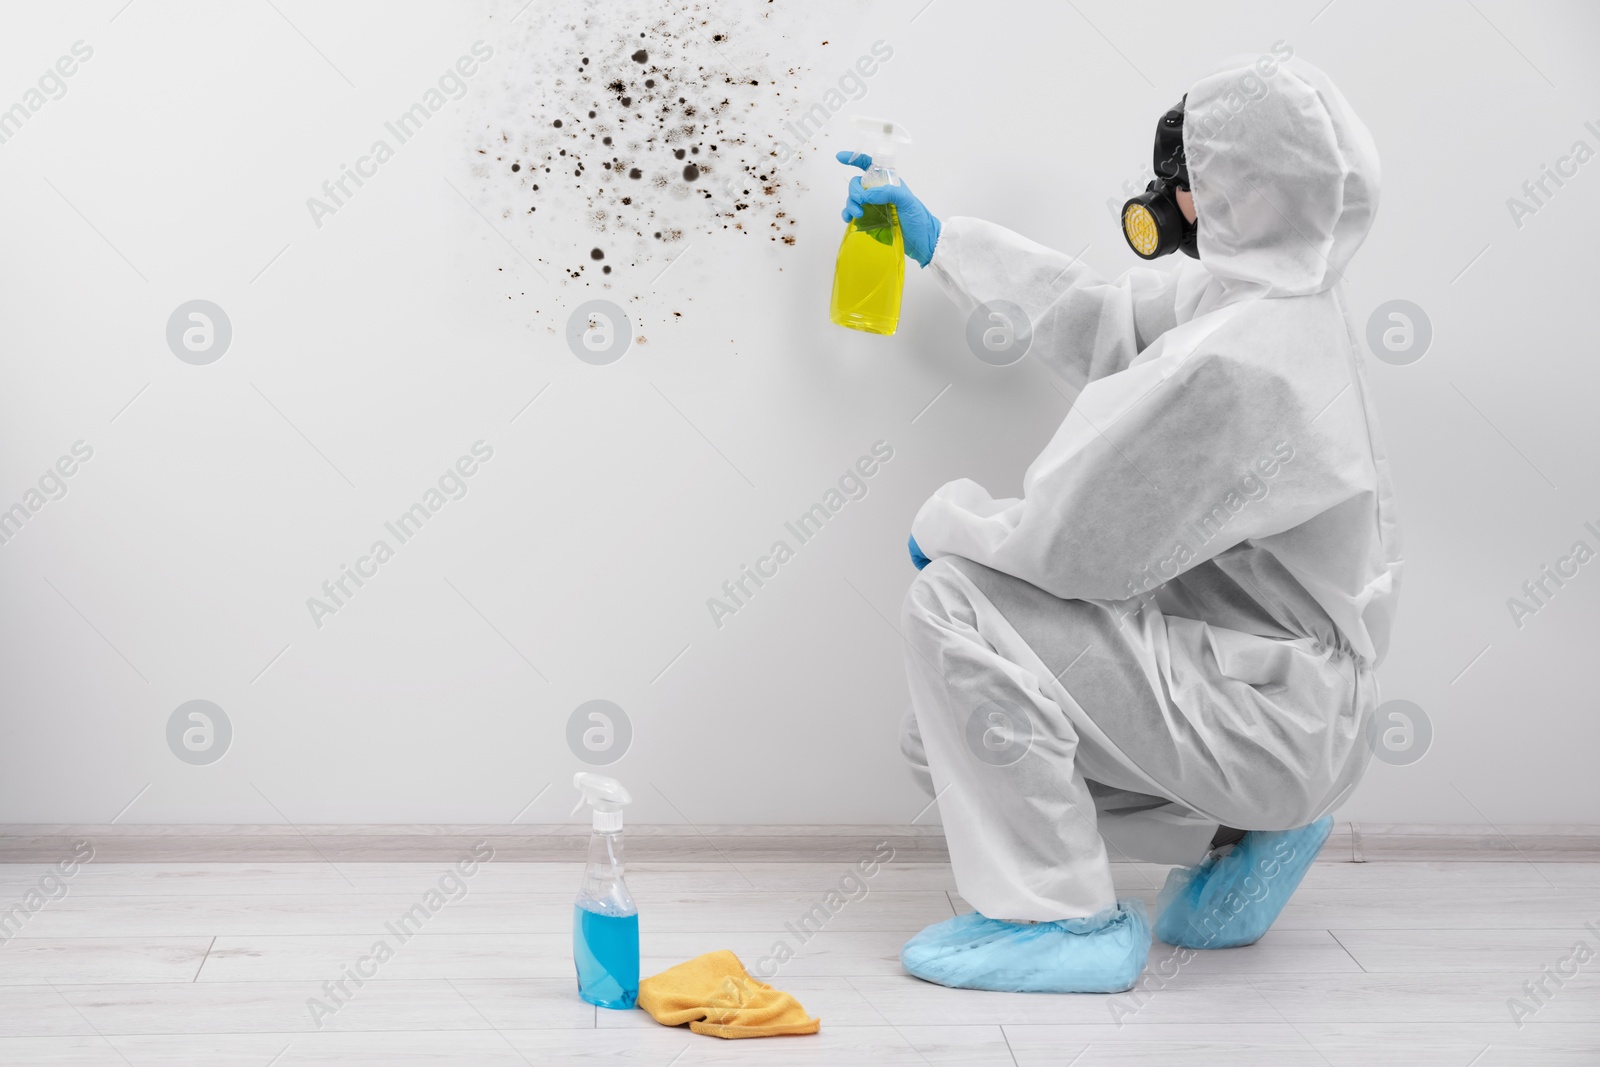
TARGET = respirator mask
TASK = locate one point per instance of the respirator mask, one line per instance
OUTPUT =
(1153, 222)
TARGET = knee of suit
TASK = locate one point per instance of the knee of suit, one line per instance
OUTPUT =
(938, 592)
(911, 742)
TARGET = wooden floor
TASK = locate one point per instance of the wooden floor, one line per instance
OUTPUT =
(214, 964)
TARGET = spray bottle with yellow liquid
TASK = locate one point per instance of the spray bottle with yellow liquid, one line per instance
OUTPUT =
(870, 272)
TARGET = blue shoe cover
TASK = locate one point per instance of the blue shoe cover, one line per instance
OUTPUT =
(1105, 953)
(1233, 899)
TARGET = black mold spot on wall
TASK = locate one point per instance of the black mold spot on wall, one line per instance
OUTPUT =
(650, 124)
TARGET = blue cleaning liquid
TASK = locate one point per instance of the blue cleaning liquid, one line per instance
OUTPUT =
(606, 950)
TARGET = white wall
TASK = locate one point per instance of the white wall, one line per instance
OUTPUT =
(377, 348)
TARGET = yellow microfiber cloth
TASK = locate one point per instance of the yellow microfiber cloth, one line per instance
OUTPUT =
(715, 996)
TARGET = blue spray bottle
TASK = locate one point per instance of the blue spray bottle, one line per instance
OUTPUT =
(605, 920)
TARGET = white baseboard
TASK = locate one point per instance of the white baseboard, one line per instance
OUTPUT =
(195, 843)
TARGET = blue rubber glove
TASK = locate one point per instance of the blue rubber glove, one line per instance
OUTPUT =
(918, 560)
(917, 225)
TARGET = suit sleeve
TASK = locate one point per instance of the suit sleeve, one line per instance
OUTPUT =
(1084, 327)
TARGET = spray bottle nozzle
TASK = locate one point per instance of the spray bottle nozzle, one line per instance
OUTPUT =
(878, 138)
(606, 795)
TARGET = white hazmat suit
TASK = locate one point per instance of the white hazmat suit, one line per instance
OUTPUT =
(1177, 624)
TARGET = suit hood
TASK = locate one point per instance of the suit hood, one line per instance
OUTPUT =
(1284, 175)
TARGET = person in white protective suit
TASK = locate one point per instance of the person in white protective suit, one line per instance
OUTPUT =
(1165, 648)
